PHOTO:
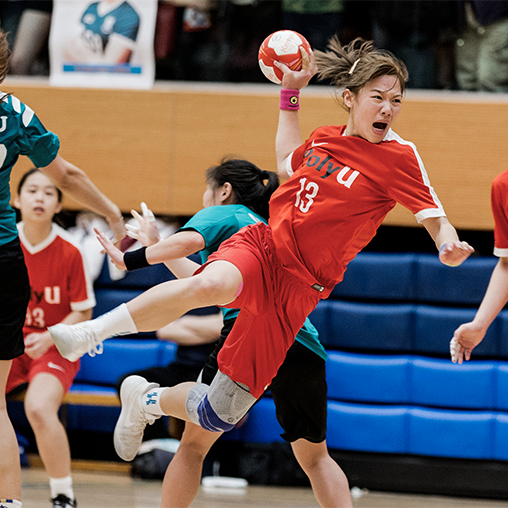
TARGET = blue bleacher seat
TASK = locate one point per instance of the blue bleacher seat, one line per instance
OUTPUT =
(368, 378)
(365, 427)
(352, 325)
(501, 386)
(462, 285)
(378, 276)
(391, 385)
(120, 356)
(500, 437)
(434, 327)
(448, 433)
(441, 383)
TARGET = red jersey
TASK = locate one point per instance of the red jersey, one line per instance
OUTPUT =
(340, 192)
(499, 202)
(59, 280)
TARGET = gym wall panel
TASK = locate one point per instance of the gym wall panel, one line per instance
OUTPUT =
(154, 145)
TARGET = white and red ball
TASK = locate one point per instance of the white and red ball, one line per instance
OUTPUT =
(283, 46)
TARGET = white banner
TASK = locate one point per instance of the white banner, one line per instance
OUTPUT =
(105, 43)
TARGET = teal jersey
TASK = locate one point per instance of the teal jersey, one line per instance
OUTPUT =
(218, 223)
(101, 23)
(21, 133)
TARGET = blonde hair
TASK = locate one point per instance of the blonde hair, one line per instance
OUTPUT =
(354, 65)
(4, 55)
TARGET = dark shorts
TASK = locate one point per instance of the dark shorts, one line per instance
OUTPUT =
(14, 298)
(299, 390)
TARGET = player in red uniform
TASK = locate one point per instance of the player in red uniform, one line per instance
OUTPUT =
(60, 291)
(345, 181)
(469, 335)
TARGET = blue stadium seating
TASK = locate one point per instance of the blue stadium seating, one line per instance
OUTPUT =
(391, 386)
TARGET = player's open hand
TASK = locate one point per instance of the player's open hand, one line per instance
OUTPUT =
(147, 233)
(115, 254)
(454, 253)
(296, 80)
(465, 339)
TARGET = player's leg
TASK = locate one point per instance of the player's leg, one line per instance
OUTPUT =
(10, 469)
(183, 476)
(217, 284)
(42, 402)
(217, 408)
(299, 391)
(328, 481)
(14, 297)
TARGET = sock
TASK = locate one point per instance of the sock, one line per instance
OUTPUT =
(10, 503)
(151, 402)
(61, 486)
(117, 322)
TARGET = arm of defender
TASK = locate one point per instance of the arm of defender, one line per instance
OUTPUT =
(469, 335)
(76, 183)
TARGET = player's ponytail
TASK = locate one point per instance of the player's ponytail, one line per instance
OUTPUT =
(354, 65)
(252, 186)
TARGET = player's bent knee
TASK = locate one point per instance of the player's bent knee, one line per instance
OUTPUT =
(201, 412)
(220, 406)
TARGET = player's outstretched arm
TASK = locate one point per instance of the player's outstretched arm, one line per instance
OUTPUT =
(114, 253)
(147, 234)
(73, 181)
(469, 335)
(452, 251)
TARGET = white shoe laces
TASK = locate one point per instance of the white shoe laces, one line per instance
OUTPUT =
(88, 339)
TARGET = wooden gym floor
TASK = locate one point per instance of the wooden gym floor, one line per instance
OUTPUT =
(114, 488)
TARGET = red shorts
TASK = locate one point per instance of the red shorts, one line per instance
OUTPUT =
(24, 369)
(274, 304)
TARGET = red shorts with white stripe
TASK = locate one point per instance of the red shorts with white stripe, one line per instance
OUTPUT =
(24, 369)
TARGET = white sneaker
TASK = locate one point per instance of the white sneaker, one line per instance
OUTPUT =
(133, 419)
(73, 341)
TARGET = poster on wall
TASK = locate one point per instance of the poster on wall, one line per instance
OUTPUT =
(103, 43)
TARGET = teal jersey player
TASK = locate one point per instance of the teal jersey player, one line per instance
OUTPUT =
(101, 23)
(218, 223)
(21, 133)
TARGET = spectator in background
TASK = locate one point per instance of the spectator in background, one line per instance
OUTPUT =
(10, 14)
(316, 20)
(31, 39)
(482, 47)
(413, 31)
(245, 25)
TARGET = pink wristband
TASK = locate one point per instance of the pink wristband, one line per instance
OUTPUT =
(289, 99)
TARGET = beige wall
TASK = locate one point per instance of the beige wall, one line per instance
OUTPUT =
(154, 145)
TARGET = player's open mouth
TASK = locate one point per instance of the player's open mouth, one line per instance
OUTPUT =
(380, 126)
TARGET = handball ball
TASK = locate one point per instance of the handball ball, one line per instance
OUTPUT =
(283, 46)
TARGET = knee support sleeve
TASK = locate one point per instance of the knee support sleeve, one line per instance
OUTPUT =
(219, 407)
